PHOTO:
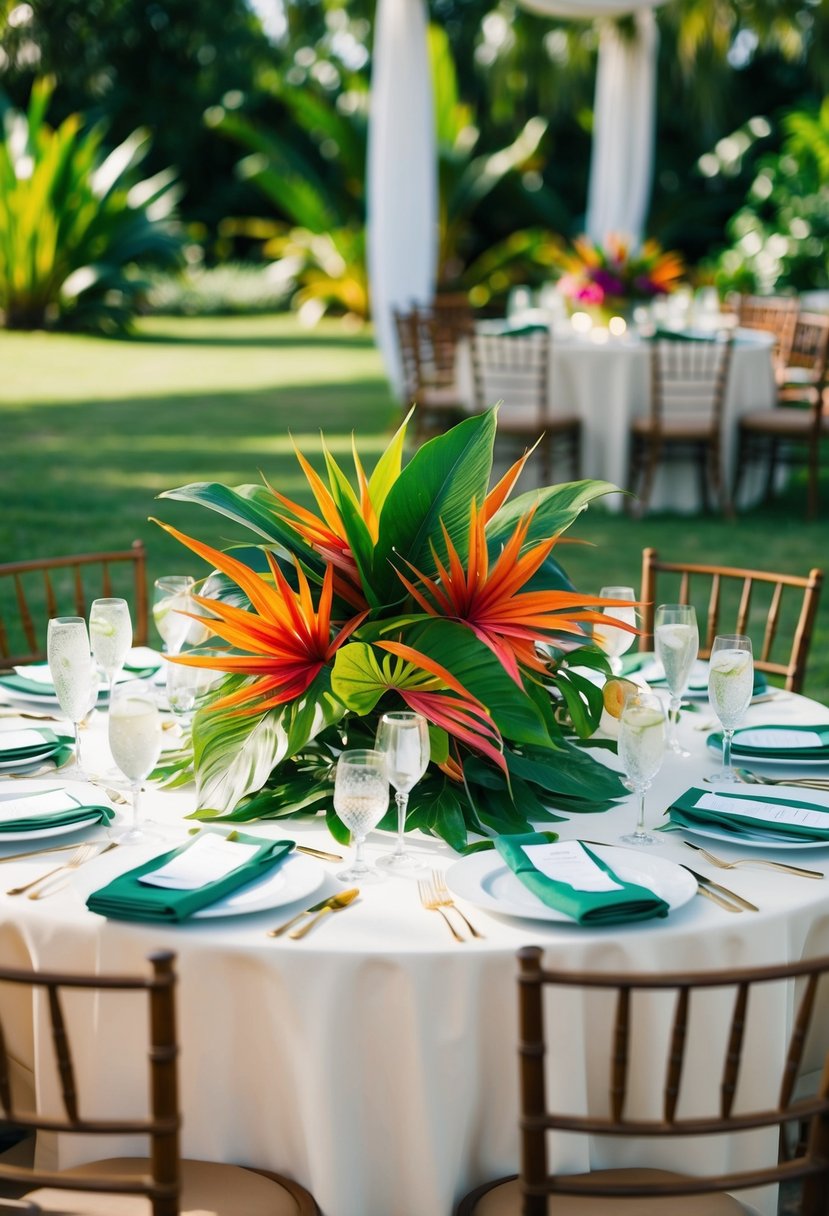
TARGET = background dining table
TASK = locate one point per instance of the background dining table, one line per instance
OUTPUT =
(607, 384)
(375, 1059)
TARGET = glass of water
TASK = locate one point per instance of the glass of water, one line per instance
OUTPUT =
(676, 642)
(110, 634)
(171, 600)
(404, 739)
(616, 642)
(73, 673)
(135, 742)
(361, 799)
(730, 688)
(641, 749)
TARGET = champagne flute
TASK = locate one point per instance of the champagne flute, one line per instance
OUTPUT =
(730, 687)
(73, 675)
(171, 599)
(361, 799)
(135, 742)
(676, 642)
(403, 737)
(616, 642)
(110, 633)
(641, 749)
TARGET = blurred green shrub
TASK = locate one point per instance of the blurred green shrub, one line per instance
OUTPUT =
(76, 226)
(232, 289)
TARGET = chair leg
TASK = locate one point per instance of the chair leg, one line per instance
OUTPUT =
(575, 454)
(634, 470)
(772, 470)
(743, 450)
(703, 474)
(653, 453)
(814, 475)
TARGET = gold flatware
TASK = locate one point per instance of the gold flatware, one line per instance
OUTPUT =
(336, 904)
(432, 903)
(749, 777)
(717, 899)
(718, 889)
(83, 853)
(280, 929)
(16, 713)
(56, 848)
(443, 893)
(117, 796)
(722, 864)
(43, 893)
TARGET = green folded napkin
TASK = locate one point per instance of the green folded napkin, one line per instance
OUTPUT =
(798, 819)
(125, 898)
(523, 331)
(777, 751)
(630, 902)
(643, 658)
(32, 688)
(683, 335)
(31, 812)
(49, 743)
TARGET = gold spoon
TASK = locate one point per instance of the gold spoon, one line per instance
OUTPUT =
(335, 904)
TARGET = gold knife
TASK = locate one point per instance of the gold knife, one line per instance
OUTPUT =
(717, 899)
(331, 903)
(709, 883)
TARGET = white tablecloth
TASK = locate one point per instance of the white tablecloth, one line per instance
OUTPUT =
(608, 385)
(375, 1059)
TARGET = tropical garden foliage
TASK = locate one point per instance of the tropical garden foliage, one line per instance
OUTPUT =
(416, 585)
(74, 223)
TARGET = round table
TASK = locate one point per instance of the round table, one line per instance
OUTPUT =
(374, 1060)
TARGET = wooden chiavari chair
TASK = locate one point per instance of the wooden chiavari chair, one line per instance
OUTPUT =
(53, 586)
(428, 338)
(754, 596)
(537, 1191)
(775, 315)
(515, 369)
(169, 1185)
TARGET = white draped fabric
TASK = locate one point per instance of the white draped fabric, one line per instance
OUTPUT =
(402, 171)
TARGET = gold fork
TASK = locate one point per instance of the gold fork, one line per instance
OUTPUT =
(445, 896)
(722, 864)
(431, 902)
(82, 853)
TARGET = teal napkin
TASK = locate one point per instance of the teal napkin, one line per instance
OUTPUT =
(738, 748)
(32, 688)
(683, 335)
(125, 898)
(50, 742)
(632, 902)
(53, 819)
(686, 813)
(523, 331)
(643, 658)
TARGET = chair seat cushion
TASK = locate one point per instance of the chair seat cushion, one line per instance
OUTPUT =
(782, 421)
(207, 1189)
(433, 397)
(505, 1200)
(675, 429)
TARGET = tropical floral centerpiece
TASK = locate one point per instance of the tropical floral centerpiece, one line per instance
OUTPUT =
(610, 278)
(416, 586)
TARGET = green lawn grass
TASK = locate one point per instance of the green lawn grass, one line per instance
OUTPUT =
(91, 430)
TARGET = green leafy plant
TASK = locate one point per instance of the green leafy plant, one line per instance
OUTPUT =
(416, 585)
(75, 224)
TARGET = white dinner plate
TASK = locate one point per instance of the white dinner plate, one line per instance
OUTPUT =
(295, 879)
(760, 840)
(30, 761)
(486, 880)
(84, 792)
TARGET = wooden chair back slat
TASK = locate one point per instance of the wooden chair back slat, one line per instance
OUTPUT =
(537, 1017)
(22, 640)
(621, 1054)
(676, 1055)
(776, 315)
(161, 1186)
(749, 583)
(6, 1098)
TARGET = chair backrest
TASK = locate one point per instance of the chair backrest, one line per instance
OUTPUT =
(755, 597)
(515, 370)
(427, 338)
(806, 367)
(691, 1013)
(776, 315)
(406, 329)
(162, 1185)
(38, 589)
(689, 380)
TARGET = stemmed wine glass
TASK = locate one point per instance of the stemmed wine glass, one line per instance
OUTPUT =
(403, 737)
(74, 676)
(184, 684)
(641, 748)
(616, 642)
(676, 642)
(361, 799)
(171, 599)
(135, 742)
(110, 633)
(730, 686)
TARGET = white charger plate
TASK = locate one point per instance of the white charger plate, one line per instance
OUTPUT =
(295, 879)
(84, 792)
(741, 760)
(487, 881)
(755, 842)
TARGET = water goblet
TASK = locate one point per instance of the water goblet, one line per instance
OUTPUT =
(171, 599)
(73, 673)
(730, 687)
(135, 742)
(641, 749)
(361, 799)
(184, 685)
(676, 642)
(403, 737)
(616, 642)
(110, 634)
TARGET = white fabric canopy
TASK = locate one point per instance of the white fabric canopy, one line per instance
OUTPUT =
(402, 171)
